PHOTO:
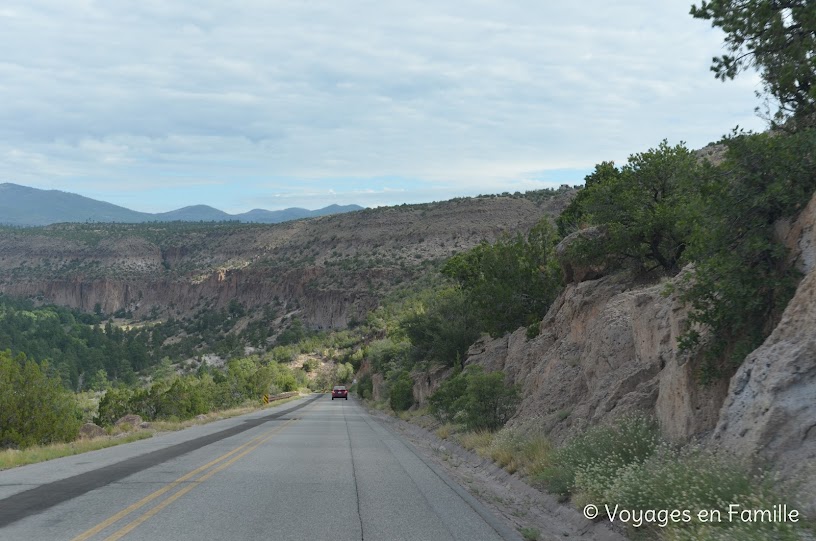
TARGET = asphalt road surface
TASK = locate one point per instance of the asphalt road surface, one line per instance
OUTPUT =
(312, 469)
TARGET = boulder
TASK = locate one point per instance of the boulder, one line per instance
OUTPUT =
(580, 268)
(799, 237)
(90, 430)
(130, 419)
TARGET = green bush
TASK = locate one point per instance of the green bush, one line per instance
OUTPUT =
(590, 462)
(575, 216)
(643, 207)
(365, 387)
(345, 372)
(741, 280)
(690, 478)
(510, 283)
(113, 405)
(441, 327)
(446, 401)
(697, 479)
(293, 334)
(34, 407)
(478, 400)
(285, 380)
(284, 354)
(311, 365)
(626, 466)
(533, 330)
(489, 402)
(185, 397)
(401, 395)
(386, 353)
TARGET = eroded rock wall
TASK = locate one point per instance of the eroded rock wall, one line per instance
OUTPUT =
(770, 411)
(605, 350)
(320, 308)
(608, 348)
(331, 270)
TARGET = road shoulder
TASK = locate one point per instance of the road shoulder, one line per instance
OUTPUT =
(505, 495)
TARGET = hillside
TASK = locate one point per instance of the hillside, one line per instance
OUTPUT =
(24, 206)
(332, 268)
(610, 347)
(674, 360)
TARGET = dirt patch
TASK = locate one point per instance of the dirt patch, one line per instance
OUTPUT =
(506, 495)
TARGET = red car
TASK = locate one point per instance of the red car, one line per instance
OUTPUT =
(339, 391)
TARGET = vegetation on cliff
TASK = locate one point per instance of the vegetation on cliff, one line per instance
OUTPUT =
(476, 400)
(664, 209)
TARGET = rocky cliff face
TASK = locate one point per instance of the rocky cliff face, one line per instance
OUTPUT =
(608, 347)
(331, 269)
(770, 410)
(323, 308)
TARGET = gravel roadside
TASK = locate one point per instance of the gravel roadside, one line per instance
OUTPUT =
(523, 507)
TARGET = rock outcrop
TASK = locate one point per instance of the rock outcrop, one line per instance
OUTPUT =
(130, 419)
(90, 431)
(606, 349)
(770, 411)
(426, 382)
(574, 270)
(609, 347)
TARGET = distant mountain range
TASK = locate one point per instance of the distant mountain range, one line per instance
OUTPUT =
(24, 206)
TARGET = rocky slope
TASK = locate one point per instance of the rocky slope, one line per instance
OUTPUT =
(609, 347)
(606, 349)
(332, 269)
(770, 409)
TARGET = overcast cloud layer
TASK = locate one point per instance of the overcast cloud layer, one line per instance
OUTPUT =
(155, 105)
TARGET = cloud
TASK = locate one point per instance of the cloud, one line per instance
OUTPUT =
(456, 97)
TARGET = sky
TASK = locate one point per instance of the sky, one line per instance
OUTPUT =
(155, 105)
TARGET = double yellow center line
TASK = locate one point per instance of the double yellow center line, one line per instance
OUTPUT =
(214, 466)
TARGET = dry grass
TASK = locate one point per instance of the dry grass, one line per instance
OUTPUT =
(505, 458)
(445, 431)
(11, 458)
(412, 415)
(171, 426)
(514, 449)
(379, 405)
(508, 448)
(478, 441)
(536, 455)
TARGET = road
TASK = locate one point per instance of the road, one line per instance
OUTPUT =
(312, 469)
